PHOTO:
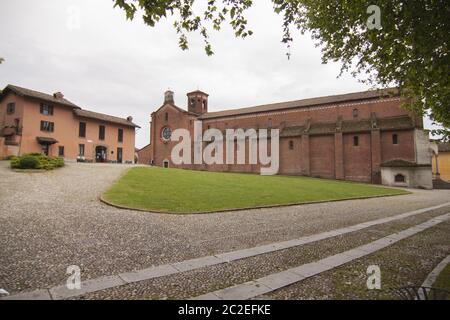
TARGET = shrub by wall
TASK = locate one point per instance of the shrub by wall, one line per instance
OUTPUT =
(28, 162)
(36, 161)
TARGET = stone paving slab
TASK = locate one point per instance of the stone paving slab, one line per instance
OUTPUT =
(41, 294)
(242, 292)
(406, 263)
(279, 280)
(336, 260)
(208, 296)
(355, 253)
(37, 247)
(309, 269)
(193, 264)
(149, 273)
(60, 292)
(198, 282)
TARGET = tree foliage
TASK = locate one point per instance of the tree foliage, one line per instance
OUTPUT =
(410, 50)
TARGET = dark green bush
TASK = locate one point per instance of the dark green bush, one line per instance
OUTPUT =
(28, 162)
(14, 162)
(36, 161)
(35, 154)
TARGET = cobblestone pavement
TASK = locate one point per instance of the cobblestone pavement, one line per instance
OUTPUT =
(406, 264)
(51, 220)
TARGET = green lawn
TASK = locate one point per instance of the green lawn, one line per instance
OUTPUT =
(443, 280)
(183, 191)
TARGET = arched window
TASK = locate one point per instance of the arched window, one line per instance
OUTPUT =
(166, 116)
(394, 139)
(355, 113)
(400, 178)
(356, 141)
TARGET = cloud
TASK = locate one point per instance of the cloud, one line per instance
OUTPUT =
(99, 60)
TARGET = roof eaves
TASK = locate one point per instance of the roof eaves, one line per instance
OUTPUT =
(303, 103)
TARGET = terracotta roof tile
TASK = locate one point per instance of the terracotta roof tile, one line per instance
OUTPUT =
(374, 94)
(37, 95)
(104, 117)
(62, 101)
(393, 123)
(402, 164)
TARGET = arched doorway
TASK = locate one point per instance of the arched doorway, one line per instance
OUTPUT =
(101, 154)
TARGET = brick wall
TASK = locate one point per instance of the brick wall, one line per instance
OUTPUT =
(328, 155)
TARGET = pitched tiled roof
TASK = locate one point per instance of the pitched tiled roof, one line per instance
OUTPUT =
(176, 108)
(392, 123)
(143, 148)
(374, 94)
(402, 163)
(104, 117)
(62, 101)
(396, 123)
(37, 95)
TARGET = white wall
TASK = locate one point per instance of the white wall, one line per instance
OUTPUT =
(422, 147)
(416, 177)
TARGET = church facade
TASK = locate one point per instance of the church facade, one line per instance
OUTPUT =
(364, 136)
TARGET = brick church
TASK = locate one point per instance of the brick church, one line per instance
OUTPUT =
(364, 136)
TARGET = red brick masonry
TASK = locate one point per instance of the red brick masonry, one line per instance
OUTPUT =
(338, 137)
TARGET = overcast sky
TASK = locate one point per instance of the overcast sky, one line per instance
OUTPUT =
(110, 65)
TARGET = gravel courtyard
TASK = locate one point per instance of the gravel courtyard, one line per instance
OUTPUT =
(51, 220)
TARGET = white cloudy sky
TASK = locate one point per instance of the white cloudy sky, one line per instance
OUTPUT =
(122, 68)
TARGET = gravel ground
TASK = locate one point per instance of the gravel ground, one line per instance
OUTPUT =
(51, 220)
(201, 281)
(407, 263)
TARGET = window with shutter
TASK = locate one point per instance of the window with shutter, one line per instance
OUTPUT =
(11, 108)
(46, 109)
(101, 132)
(82, 130)
(47, 126)
(120, 135)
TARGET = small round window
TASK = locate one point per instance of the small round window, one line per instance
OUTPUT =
(166, 133)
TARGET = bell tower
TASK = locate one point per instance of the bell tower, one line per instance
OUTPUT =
(197, 102)
(168, 97)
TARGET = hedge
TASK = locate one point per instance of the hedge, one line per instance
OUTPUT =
(36, 161)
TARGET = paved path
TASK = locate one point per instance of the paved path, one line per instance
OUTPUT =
(106, 282)
(431, 278)
(288, 277)
(51, 220)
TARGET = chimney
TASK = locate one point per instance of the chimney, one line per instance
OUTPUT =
(130, 119)
(168, 97)
(58, 95)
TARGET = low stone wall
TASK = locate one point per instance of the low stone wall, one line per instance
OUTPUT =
(414, 177)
